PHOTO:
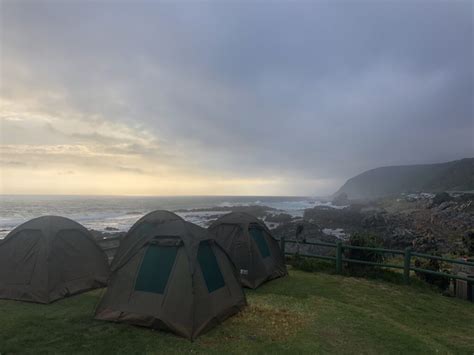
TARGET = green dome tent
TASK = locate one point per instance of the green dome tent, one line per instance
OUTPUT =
(251, 247)
(170, 274)
(48, 258)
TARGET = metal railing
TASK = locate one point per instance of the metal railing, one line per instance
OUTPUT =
(408, 254)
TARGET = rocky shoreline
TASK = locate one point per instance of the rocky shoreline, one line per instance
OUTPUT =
(425, 222)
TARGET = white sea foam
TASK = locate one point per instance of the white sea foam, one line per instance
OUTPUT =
(338, 233)
(121, 213)
(202, 219)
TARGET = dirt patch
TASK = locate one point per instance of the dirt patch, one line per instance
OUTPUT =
(271, 323)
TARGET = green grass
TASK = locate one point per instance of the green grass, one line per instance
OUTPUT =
(303, 313)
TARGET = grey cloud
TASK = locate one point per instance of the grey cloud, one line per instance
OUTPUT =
(310, 90)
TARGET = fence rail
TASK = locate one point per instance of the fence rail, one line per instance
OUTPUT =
(408, 254)
(339, 258)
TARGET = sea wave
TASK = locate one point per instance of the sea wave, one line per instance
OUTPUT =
(121, 213)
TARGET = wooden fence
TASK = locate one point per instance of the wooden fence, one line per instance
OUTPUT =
(339, 258)
(408, 254)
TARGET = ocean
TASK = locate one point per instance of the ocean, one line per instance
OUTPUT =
(118, 213)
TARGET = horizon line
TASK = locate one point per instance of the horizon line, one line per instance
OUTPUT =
(144, 195)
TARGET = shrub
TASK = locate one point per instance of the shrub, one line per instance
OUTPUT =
(364, 240)
(468, 242)
(440, 281)
(311, 265)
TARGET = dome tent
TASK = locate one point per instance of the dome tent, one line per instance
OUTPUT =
(48, 258)
(170, 274)
(251, 247)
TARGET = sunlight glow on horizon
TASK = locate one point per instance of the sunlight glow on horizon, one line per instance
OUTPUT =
(117, 161)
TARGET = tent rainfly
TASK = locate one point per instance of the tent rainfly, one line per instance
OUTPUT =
(48, 258)
(169, 274)
(251, 247)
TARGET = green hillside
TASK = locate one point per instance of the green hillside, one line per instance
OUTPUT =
(452, 176)
(303, 313)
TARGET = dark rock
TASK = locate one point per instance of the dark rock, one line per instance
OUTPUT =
(443, 205)
(306, 230)
(349, 218)
(441, 198)
(374, 220)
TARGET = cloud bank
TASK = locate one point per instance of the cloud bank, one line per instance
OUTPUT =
(229, 97)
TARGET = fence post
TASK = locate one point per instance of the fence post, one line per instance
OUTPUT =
(406, 266)
(282, 245)
(339, 257)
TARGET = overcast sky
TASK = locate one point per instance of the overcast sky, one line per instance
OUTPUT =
(241, 97)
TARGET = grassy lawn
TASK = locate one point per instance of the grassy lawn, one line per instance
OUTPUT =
(303, 313)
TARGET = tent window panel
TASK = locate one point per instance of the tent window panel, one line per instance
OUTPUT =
(209, 267)
(156, 268)
(259, 238)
